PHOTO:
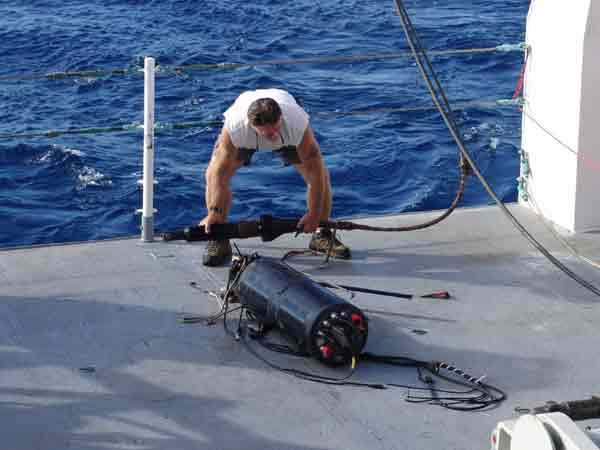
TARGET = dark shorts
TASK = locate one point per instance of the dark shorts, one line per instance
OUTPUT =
(288, 155)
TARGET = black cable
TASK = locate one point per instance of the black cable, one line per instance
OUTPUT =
(364, 290)
(485, 394)
(488, 395)
(486, 400)
(230, 285)
(439, 97)
(272, 346)
(345, 225)
(279, 348)
(310, 376)
(478, 396)
(209, 320)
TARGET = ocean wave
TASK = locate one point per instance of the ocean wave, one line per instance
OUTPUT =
(58, 153)
(88, 176)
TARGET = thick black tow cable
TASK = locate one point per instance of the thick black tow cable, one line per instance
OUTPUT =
(439, 98)
(269, 228)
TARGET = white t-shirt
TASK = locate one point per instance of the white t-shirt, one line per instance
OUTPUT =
(294, 123)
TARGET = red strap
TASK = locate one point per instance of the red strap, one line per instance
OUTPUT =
(521, 79)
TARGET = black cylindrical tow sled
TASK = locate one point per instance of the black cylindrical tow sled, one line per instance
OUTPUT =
(319, 322)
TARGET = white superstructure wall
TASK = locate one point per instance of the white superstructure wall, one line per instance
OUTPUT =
(561, 126)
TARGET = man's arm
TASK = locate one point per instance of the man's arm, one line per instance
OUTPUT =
(222, 166)
(312, 169)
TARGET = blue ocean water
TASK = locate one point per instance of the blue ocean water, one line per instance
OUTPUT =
(81, 187)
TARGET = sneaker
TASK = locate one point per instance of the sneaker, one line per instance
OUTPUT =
(320, 243)
(216, 253)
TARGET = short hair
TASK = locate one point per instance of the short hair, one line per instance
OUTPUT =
(264, 111)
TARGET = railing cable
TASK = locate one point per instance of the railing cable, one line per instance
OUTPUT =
(180, 69)
(165, 127)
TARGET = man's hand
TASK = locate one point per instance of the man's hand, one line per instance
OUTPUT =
(209, 220)
(309, 222)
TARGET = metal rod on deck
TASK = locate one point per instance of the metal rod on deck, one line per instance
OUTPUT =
(148, 180)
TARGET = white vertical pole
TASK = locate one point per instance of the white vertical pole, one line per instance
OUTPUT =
(148, 181)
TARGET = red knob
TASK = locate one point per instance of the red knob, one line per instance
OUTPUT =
(326, 351)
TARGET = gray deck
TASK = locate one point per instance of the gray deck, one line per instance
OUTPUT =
(150, 382)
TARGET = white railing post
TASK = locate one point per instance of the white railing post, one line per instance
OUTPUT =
(148, 180)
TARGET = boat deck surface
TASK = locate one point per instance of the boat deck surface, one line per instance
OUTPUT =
(93, 355)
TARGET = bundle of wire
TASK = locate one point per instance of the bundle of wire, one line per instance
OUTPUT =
(473, 394)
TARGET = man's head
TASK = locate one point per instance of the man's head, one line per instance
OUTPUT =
(264, 116)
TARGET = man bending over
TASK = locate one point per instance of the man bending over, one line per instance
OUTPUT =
(268, 120)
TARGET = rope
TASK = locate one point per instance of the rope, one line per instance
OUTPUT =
(342, 59)
(545, 130)
(162, 127)
(94, 73)
(558, 237)
(521, 81)
(585, 160)
(134, 127)
(481, 104)
(56, 133)
(178, 70)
